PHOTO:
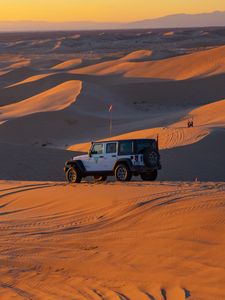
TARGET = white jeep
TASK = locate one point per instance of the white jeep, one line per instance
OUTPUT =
(122, 158)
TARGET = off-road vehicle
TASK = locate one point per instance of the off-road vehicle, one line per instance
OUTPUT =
(122, 158)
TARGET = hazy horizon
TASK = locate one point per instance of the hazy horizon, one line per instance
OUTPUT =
(215, 18)
(112, 22)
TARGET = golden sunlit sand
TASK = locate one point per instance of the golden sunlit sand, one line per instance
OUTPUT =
(112, 241)
(68, 64)
(54, 99)
(200, 64)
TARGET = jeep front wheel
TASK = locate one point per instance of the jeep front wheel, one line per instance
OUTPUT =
(73, 175)
(150, 176)
(100, 178)
(123, 173)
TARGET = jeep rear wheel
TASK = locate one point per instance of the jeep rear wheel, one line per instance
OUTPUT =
(123, 173)
(73, 175)
(100, 178)
(150, 176)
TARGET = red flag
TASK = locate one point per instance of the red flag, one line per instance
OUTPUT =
(110, 108)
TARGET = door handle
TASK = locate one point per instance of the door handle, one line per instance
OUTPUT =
(113, 155)
(101, 156)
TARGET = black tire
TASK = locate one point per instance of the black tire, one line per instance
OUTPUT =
(150, 176)
(123, 173)
(100, 178)
(73, 175)
(151, 158)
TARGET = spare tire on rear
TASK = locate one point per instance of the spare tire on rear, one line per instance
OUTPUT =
(151, 158)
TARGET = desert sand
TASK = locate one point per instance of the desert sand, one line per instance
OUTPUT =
(161, 240)
(112, 241)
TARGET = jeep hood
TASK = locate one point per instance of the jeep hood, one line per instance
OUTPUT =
(81, 157)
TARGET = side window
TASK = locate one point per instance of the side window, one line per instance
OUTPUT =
(111, 148)
(125, 148)
(143, 144)
(97, 149)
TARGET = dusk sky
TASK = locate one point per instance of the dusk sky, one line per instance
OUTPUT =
(101, 10)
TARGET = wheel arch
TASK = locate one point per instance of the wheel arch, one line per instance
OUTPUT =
(78, 164)
(125, 161)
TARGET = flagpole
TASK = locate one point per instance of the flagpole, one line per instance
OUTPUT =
(110, 120)
(110, 124)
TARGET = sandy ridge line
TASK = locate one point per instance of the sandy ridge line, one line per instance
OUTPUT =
(54, 99)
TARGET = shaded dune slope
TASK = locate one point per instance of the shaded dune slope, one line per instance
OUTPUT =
(203, 161)
(22, 162)
(13, 76)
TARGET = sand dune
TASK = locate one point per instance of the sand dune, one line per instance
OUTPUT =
(95, 98)
(157, 241)
(203, 160)
(20, 64)
(137, 55)
(15, 75)
(57, 45)
(3, 72)
(17, 90)
(137, 106)
(205, 118)
(75, 36)
(12, 62)
(114, 67)
(54, 99)
(191, 152)
(31, 79)
(198, 64)
(93, 104)
(41, 42)
(168, 33)
(212, 114)
(168, 137)
(68, 64)
(9, 60)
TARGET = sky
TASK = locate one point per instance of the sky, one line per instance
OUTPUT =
(101, 10)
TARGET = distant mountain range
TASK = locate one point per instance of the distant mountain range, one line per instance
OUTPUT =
(216, 18)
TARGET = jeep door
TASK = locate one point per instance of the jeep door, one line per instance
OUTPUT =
(110, 156)
(96, 160)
